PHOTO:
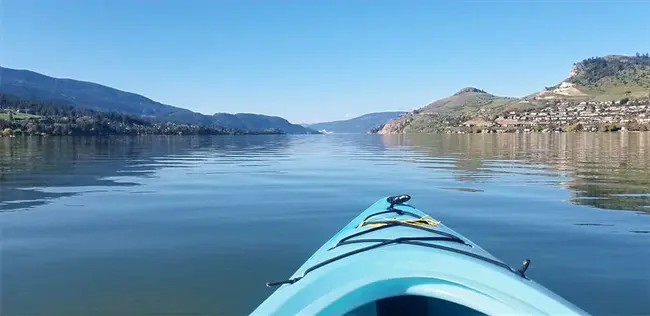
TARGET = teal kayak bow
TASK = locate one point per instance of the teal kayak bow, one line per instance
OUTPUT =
(393, 259)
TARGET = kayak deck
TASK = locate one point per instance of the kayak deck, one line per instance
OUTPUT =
(396, 258)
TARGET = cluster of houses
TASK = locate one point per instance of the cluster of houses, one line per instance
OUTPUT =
(557, 116)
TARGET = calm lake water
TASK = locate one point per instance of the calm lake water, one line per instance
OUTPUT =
(197, 225)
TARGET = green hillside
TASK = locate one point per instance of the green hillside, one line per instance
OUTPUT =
(610, 77)
(601, 71)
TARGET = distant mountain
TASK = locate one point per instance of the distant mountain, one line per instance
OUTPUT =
(361, 124)
(256, 122)
(32, 85)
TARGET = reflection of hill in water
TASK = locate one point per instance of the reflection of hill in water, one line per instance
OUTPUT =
(605, 170)
(28, 164)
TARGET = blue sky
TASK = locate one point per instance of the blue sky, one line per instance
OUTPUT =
(314, 60)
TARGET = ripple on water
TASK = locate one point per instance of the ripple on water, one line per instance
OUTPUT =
(464, 189)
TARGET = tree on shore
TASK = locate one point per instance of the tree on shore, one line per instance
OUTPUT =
(574, 128)
(609, 127)
(636, 126)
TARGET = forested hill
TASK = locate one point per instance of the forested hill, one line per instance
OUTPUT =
(606, 78)
(20, 116)
(629, 70)
(31, 85)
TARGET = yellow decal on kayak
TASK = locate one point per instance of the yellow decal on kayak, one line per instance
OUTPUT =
(422, 221)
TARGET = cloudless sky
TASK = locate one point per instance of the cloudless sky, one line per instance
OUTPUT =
(310, 60)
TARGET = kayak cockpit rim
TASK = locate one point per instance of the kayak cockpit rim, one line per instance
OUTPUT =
(368, 298)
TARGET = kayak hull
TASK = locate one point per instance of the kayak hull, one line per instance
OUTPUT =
(367, 269)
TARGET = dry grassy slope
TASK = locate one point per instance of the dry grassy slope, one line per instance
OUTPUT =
(466, 100)
(435, 116)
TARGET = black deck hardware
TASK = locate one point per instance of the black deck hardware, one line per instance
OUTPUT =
(276, 283)
(397, 199)
(524, 266)
(394, 200)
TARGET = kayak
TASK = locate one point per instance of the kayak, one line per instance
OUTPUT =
(393, 259)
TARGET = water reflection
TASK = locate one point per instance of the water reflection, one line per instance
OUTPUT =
(610, 171)
(160, 224)
(35, 170)
(604, 170)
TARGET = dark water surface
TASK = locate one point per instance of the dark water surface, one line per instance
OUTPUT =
(197, 225)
